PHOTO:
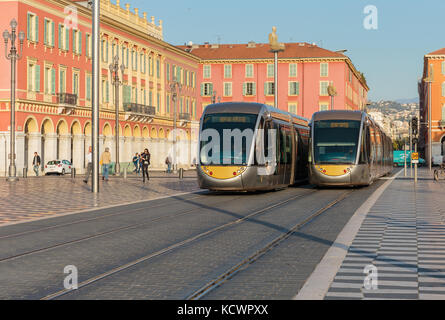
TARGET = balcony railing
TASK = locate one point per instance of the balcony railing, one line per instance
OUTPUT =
(67, 99)
(139, 109)
(185, 116)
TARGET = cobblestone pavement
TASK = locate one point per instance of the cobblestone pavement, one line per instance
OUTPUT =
(37, 197)
(403, 236)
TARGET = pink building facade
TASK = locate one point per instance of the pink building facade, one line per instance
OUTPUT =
(245, 73)
(53, 89)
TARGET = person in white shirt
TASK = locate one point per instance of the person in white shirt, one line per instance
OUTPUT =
(89, 158)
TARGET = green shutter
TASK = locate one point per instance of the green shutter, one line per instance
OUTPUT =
(244, 88)
(28, 33)
(265, 88)
(88, 88)
(45, 33)
(211, 88)
(37, 79)
(53, 81)
(202, 89)
(80, 43)
(67, 39)
(37, 29)
(297, 84)
(74, 42)
(60, 36)
(53, 29)
(254, 89)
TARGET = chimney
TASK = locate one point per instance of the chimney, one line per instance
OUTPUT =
(206, 44)
(251, 44)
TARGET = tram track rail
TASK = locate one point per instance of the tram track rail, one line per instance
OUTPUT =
(244, 264)
(177, 245)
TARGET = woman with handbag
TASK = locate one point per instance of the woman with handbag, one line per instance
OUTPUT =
(145, 163)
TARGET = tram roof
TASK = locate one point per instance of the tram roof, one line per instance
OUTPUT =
(246, 107)
(337, 115)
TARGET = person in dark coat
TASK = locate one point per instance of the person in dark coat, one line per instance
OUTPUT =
(145, 163)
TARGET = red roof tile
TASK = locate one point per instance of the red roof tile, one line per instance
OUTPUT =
(437, 52)
(259, 51)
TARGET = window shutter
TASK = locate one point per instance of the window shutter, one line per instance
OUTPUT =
(254, 88)
(37, 29)
(265, 89)
(29, 78)
(28, 33)
(297, 88)
(67, 39)
(80, 43)
(244, 88)
(211, 88)
(53, 81)
(37, 79)
(74, 42)
(202, 89)
(45, 32)
(60, 36)
(107, 95)
(53, 30)
(88, 88)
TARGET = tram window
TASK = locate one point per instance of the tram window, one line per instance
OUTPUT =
(363, 148)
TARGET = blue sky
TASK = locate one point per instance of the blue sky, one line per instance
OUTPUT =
(391, 57)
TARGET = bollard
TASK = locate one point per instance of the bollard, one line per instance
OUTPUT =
(181, 173)
(25, 172)
(73, 173)
(125, 173)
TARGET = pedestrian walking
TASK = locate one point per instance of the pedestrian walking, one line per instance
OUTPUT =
(136, 163)
(105, 159)
(169, 164)
(89, 159)
(140, 162)
(145, 163)
(36, 163)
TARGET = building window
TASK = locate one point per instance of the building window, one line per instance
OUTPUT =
(270, 70)
(294, 88)
(206, 89)
(443, 89)
(33, 77)
(249, 70)
(105, 92)
(77, 42)
(158, 68)
(324, 106)
(324, 69)
(168, 104)
(143, 63)
(207, 71)
(64, 40)
(292, 70)
(227, 89)
(292, 108)
(50, 80)
(269, 88)
(88, 43)
(227, 71)
(104, 50)
(249, 89)
(443, 67)
(158, 102)
(33, 27)
(324, 88)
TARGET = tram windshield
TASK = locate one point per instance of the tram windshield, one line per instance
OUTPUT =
(238, 128)
(335, 141)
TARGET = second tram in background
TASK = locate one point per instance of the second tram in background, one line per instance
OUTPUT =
(347, 148)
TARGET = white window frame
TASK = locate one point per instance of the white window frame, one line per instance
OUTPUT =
(207, 71)
(270, 66)
(227, 87)
(290, 88)
(247, 74)
(324, 93)
(227, 70)
(326, 66)
(291, 65)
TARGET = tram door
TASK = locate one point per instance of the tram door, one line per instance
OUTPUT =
(285, 155)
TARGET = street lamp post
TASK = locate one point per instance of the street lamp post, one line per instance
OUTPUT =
(114, 71)
(275, 47)
(95, 98)
(13, 56)
(175, 88)
(429, 80)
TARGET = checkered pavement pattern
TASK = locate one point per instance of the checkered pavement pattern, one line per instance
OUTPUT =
(38, 197)
(403, 237)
